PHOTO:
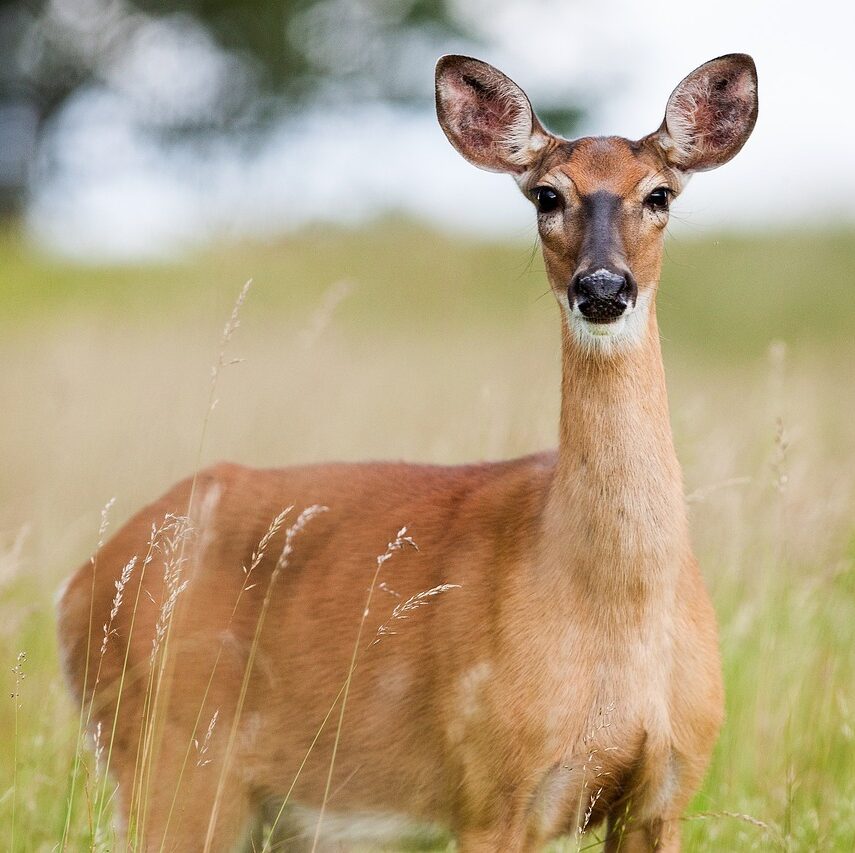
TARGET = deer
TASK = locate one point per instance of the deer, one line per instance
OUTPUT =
(567, 676)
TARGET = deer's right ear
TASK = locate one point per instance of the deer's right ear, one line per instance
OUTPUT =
(486, 116)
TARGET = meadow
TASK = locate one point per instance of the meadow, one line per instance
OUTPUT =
(396, 342)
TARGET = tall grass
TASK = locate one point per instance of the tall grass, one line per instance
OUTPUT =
(448, 347)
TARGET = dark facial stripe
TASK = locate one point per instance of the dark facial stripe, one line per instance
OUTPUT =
(602, 242)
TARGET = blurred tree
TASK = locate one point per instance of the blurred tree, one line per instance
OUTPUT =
(196, 68)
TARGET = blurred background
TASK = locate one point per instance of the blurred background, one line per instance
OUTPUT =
(154, 156)
(135, 129)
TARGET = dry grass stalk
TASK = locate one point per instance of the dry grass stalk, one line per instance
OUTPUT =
(257, 557)
(281, 564)
(414, 602)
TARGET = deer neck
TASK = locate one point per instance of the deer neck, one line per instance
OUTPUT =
(615, 519)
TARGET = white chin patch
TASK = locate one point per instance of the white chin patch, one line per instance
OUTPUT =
(606, 330)
(626, 332)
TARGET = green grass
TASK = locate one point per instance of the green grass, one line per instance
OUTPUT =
(443, 350)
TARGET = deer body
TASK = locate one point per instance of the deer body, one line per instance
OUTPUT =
(571, 676)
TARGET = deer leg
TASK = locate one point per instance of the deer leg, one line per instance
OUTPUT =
(653, 836)
(187, 805)
(483, 841)
(504, 838)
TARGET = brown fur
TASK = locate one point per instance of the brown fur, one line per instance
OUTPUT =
(572, 677)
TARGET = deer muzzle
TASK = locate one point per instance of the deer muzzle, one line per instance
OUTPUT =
(602, 295)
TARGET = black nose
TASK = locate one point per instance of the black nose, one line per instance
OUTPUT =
(602, 296)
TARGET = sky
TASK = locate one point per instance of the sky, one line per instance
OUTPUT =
(116, 196)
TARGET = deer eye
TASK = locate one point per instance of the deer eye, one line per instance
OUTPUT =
(546, 199)
(659, 199)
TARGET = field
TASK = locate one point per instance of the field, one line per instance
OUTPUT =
(398, 343)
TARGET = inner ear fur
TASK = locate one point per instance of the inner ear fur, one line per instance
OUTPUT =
(711, 114)
(486, 116)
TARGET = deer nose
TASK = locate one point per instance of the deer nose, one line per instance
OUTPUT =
(602, 295)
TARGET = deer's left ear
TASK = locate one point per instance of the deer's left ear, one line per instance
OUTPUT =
(710, 114)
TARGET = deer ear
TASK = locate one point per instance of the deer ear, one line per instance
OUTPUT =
(486, 116)
(710, 114)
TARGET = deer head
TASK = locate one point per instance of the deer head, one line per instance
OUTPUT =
(602, 202)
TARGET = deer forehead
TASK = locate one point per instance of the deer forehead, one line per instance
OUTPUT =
(606, 163)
